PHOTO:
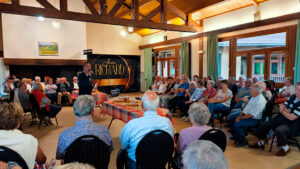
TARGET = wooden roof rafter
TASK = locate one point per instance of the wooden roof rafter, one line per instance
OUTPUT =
(101, 16)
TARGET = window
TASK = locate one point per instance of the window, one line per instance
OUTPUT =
(223, 59)
(277, 66)
(241, 67)
(166, 61)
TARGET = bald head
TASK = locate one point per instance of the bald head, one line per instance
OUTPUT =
(150, 101)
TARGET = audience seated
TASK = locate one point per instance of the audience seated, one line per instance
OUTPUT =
(218, 85)
(266, 93)
(287, 121)
(75, 165)
(44, 102)
(11, 116)
(195, 78)
(74, 84)
(156, 83)
(51, 90)
(162, 86)
(177, 83)
(199, 116)
(232, 86)
(273, 87)
(209, 93)
(250, 116)
(27, 83)
(221, 102)
(202, 154)
(137, 128)
(254, 80)
(240, 83)
(243, 92)
(63, 89)
(37, 79)
(184, 106)
(23, 97)
(288, 89)
(83, 110)
(167, 94)
(180, 93)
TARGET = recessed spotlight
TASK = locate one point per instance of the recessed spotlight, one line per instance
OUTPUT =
(55, 25)
(123, 33)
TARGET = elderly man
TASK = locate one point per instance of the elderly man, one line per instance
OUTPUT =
(37, 79)
(248, 117)
(83, 109)
(63, 90)
(137, 128)
(204, 154)
(74, 84)
(180, 93)
(255, 80)
(286, 122)
(244, 91)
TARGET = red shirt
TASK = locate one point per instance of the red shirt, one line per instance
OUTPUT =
(39, 96)
(207, 94)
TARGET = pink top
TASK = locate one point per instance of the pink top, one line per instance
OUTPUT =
(188, 135)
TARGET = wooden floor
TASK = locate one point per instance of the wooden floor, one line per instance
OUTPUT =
(238, 158)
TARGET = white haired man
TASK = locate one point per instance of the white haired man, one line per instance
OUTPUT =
(202, 154)
(137, 128)
(248, 117)
(83, 109)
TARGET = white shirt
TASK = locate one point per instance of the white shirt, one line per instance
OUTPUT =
(221, 95)
(255, 106)
(76, 86)
(24, 144)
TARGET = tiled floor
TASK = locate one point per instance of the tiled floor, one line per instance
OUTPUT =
(238, 158)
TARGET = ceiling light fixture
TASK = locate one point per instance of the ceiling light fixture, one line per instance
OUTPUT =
(130, 29)
(41, 18)
(55, 25)
(123, 33)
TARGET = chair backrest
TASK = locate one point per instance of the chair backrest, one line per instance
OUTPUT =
(267, 112)
(216, 136)
(154, 150)
(88, 149)
(6, 155)
(34, 103)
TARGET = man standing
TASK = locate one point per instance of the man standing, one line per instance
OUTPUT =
(85, 80)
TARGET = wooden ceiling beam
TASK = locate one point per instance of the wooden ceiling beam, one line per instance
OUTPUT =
(135, 9)
(270, 21)
(116, 7)
(173, 9)
(151, 14)
(91, 7)
(15, 2)
(46, 4)
(63, 5)
(163, 11)
(128, 11)
(76, 16)
(103, 7)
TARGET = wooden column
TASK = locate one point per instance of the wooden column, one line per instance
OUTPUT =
(135, 9)
(201, 58)
(163, 11)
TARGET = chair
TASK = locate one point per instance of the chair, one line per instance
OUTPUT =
(155, 150)
(221, 115)
(88, 149)
(216, 136)
(40, 113)
(7, 155)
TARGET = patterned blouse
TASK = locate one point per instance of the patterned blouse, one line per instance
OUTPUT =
(207, 94)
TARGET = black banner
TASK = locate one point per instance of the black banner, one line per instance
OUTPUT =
(116, 71)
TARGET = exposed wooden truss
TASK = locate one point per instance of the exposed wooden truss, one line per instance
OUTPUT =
(101, 16)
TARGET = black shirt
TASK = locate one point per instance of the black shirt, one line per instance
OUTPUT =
(85, 84)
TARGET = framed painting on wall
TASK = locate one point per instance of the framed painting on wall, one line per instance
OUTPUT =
(48, 49)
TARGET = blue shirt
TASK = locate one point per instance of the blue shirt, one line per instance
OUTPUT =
(81, 128)
(197, 94)
(137, 128)
(183, 86)
(244, 92)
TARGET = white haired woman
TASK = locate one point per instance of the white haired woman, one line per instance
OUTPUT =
(199, 117)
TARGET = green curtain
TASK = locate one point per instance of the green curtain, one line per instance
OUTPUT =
(147, 68)
(297, 59)
(212, 56)
(185, 58)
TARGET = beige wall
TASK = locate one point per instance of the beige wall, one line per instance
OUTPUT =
(106, 39)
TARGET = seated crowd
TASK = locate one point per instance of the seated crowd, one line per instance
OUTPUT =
(241, 103)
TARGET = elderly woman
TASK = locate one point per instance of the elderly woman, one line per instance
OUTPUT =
(11, 116)
(51, 90)
(266, 93)
(199, 116)
(209, 93)
(44, 102)
(221, 102)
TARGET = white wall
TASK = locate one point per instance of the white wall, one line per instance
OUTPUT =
(106, 39)
(195, 57)
(269, 9)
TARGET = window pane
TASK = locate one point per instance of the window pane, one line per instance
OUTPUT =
(241, 67)
(260, 42)
(165, 68)
(166, 53)
(223, 59)
(159, 68)
(258, 66)
(277, 67)
(172, 68)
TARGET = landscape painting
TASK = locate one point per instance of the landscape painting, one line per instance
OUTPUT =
(48, 48)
